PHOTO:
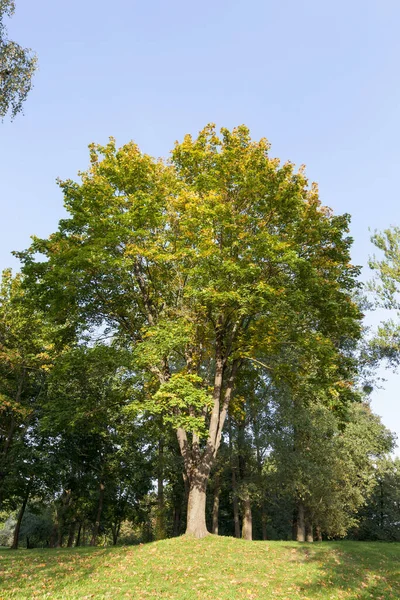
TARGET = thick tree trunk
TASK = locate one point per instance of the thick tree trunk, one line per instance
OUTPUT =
(215, 513)
(196, 517)
(247, 522)
(93, 541)
(301, 525)
(17, 529)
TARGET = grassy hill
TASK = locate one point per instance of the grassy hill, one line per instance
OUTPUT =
(215, 568)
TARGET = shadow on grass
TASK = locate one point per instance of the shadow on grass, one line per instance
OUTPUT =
(361, 569)
(20, 570)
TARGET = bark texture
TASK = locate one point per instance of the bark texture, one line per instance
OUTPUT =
(247, 524)
(301, 524)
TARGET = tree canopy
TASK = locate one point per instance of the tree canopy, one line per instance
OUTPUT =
(217, 258)
(17, 67)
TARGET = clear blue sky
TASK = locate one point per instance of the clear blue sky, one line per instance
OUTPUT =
(319, 79)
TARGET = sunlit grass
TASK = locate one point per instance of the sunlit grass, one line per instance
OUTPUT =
(215, 568)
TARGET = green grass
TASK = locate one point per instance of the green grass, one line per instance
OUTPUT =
(215, 568)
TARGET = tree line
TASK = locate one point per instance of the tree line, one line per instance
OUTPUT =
(186, 353)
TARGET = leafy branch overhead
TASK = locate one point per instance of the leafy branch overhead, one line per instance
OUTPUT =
(17, 67)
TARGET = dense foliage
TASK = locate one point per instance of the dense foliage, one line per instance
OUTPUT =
(17, 66)
(192, 324)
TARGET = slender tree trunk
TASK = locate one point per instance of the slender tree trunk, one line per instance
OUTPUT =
(318, 533)
(177, 514)
(54, 535)
(93, 541)
(78, 539)
(215, 513)
(196, 517)
(17, 529)
(247, 524)
(71, 534)
(309, 531)
(115, 528)
(160, 519)
(301, 525)
(294, 525)
(247, 521)
(381, 503)
(263, 522)
(235, 502)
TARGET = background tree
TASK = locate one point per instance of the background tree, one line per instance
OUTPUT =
(17, 66)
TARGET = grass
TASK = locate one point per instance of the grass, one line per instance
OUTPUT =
(215, 568)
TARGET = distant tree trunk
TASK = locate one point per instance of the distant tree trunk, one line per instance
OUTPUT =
(309, 531)
(78, 539)
(54, 535)
(301, 525)
(71, 534)
(93, 541)
(115, 528)
(294, 525)
(263, 522)
(256, 429)
(65, 501)
(160, 519)
(247, 523)
(318, 533)
(17, 529)
(215, 513)
(177, 516)
(235, 502)
(84, 533)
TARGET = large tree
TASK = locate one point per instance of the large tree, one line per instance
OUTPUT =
(17, 66)
(217, 257)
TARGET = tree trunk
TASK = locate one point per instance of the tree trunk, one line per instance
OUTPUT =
(196, 517)
(235, 503)
(217, 490)
(247, 523)
(309, 531)
(93, 541)
(14, 545)
(71, 534)
(78, 539)
(264, 522)
(160, 532)
(318, 533)
(115, 528)
(301, 525)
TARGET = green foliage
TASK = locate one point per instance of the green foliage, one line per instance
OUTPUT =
(17, 66)
(180, 400)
